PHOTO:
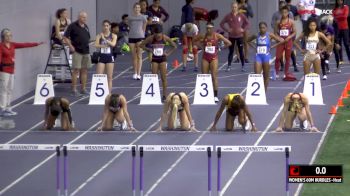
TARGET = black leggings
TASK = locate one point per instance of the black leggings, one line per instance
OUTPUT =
(325, 62)
(343, 36)
(239, 42)
(337, 56)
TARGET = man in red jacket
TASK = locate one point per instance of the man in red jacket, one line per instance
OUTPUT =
(7, 68)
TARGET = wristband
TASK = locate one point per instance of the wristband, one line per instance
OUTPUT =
(192, 124)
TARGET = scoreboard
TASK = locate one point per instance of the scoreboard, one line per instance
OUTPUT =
(315, 174)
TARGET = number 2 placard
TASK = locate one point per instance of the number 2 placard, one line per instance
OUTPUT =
(99, 89)
(256, 90)
(44, 89)
(204, 92)
(150, 93)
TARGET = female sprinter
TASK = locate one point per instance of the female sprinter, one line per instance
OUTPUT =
(263, 47)
(54, 106)
(296, 105)
(311, 53)
(177, 112)
(115, 109)
(137, 23)
(106, 41)
(159, 61)
(235, 106)
(210, 60)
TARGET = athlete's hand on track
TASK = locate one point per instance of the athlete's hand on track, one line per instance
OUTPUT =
(254, 129)
(133, 129)
(314, 129)
(193, 129)
(213, 128)
(279, 129)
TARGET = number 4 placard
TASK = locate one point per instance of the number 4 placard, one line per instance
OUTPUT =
(204, 92)
(150, 93)
(256, 90)
(43, 89)
(312, 89)
(99, 89)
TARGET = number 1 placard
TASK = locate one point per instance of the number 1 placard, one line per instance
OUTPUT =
(99, 89)
(204, 92)
(256, 90)
(43, 89)
(150, 93)
(312, 89)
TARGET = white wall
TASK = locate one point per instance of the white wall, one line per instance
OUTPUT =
(114, 9)
(30, 20)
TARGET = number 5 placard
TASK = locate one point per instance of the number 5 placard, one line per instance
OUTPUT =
(150, 93)
(43, 89)
(99, 89)
(255, 90)
(204, 92)
(312, 89)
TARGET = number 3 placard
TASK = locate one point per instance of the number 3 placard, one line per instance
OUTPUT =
(44, 89)
(150, 93)
(99, 89)
(204, 93)
(256, 90)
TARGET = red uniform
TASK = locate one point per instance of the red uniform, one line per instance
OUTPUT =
(7, 55)
(210, 48)
(340, 15)
(284, 30)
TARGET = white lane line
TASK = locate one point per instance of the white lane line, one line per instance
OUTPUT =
(48, 158)
(300, 186)
(335, 84)
(179, 159)
(119, 154)
(224, 189)
(36, 125)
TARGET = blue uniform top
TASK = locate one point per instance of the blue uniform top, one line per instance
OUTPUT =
(263, 44)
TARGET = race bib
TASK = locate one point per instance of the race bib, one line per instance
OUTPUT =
(311, 46)
(155, 19)
(106, 50)
(284, 32)
(210, 49)
(158, 51)
(262, 49)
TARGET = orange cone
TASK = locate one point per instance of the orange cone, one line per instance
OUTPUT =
(333, 110)
(340, 102)
(345, 94)
(176, 63)
(348, 86)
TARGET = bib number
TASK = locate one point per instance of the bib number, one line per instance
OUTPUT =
(262, 49)
(106, 50)
(158, 51)
(311, 46)
(284, 32)
(210, 49)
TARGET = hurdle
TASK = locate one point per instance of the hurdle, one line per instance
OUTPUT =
(38, 147)
(175, 148)
(98, 148)
(220, 149)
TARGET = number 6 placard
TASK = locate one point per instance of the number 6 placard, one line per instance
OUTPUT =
(99, 89)
(255, 90)
(43, 89)
(204, 92)
(312, 89)
(150, 93)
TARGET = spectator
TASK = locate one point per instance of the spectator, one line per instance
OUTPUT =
(137, 33)
(340, 14)
(61, 24)
(160, 16)
(187, 13)
(77, 36)
(306, 8)
(7, 68)
(237, 24)
(246, 9)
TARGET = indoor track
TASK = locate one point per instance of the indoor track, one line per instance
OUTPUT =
(165, 173)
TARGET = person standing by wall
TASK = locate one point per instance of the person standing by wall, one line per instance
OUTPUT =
(7, 68)
(137, 23)
(237, 25)
(246, 9)
(77, 37)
